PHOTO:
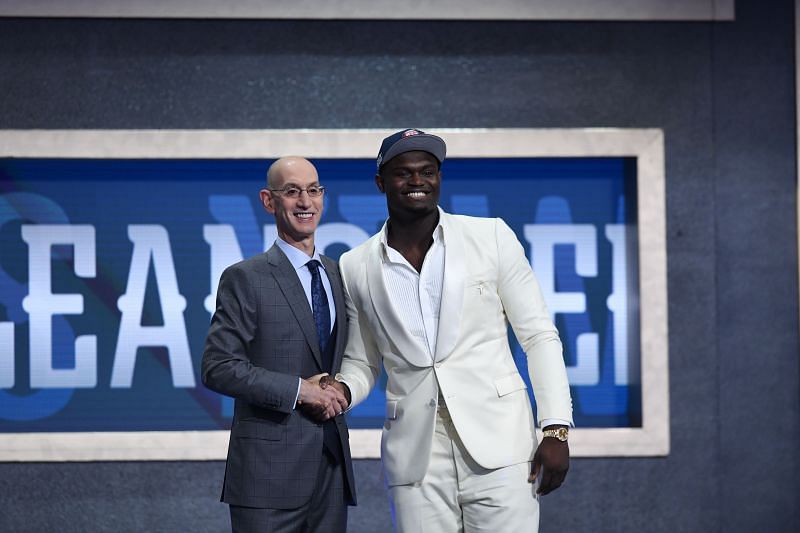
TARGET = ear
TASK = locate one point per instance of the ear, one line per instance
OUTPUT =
(267, 201)
(379, 182)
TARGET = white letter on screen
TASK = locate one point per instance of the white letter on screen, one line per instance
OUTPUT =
(152, 241)
(617, 302)
(543, 238)
(6, 355)
(225, 251)
(41, 304)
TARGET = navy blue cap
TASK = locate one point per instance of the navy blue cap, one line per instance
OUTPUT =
(409, 140)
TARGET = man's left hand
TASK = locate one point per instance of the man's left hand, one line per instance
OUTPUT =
(551, 462)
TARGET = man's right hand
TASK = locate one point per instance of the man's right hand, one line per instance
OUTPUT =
(318, 403)
(329, 381)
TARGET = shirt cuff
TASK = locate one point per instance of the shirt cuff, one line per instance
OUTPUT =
(555, 422)
(350, 389)
(297, 396)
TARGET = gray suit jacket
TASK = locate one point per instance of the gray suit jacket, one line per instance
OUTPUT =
(261, 338)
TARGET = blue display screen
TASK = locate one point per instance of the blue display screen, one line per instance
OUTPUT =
(108, 271)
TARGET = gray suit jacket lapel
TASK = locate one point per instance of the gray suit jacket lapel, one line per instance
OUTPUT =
(287, 280)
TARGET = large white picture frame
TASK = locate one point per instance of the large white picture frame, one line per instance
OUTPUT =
(645, 145)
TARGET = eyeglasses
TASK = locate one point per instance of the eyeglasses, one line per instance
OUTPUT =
(313, 191)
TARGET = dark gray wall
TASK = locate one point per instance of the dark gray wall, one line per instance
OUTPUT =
(723, 93)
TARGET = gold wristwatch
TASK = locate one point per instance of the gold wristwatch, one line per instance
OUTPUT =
(558, 433)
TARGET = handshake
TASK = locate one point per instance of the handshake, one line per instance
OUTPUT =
(322, 397)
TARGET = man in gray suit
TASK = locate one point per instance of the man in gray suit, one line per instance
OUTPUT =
(280, 325)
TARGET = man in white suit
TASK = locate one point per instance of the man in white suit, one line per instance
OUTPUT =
(430, 297)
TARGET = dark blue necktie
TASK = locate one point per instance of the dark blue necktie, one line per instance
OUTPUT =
(322, 319)
(319, 304)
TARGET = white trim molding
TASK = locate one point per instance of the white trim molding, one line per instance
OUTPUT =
(609, 10)
(645, 145)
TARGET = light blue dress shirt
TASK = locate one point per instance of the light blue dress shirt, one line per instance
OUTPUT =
(299, 260)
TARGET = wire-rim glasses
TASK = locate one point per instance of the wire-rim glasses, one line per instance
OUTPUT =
(314, 191)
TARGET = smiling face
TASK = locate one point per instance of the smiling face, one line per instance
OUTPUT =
(411, 182)
(296, 219)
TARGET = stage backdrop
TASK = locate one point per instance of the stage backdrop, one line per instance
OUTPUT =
(112, 244)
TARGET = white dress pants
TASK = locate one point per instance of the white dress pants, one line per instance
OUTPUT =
(458, 495)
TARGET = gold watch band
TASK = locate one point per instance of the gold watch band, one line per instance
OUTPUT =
(559, 433)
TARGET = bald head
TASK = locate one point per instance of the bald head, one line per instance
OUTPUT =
(297, 213)
(289, 169)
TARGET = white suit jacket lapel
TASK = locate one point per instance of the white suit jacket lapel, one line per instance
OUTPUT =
(407, 346)
(455, 274)
(332, 270)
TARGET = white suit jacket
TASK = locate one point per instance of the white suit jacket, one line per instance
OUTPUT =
(488, 283)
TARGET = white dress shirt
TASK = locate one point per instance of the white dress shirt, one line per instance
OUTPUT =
(416, 296)
(299, 260)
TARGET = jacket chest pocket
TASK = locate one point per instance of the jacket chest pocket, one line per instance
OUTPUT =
(481, 295)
